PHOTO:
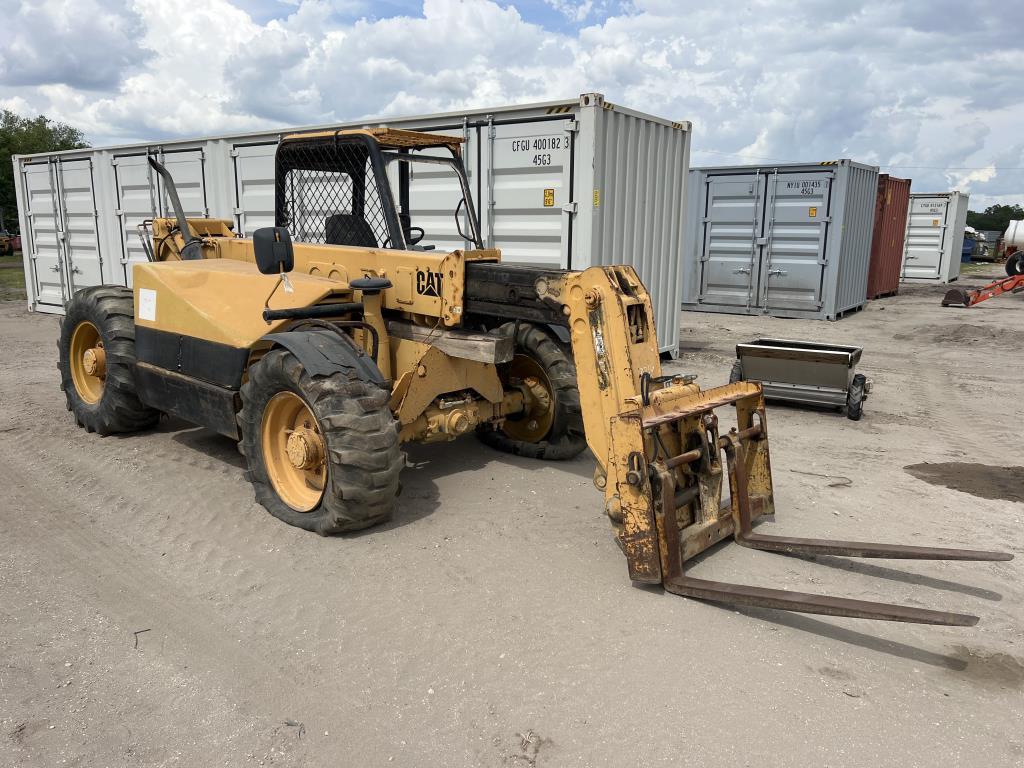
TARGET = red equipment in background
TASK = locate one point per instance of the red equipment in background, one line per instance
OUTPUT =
(968, 297)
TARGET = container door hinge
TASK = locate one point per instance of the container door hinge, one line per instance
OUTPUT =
(572, 126)
(569, 208)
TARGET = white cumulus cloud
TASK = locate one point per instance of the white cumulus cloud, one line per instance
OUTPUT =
(927, 90)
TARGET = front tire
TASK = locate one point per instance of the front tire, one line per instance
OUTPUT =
(554, 432)
(1015, 263)
(855, 397)
(97, 361)
(322, 451)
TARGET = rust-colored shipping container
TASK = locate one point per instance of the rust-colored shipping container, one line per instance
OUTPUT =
(887, 241)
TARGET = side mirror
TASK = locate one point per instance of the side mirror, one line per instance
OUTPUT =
(272, 247)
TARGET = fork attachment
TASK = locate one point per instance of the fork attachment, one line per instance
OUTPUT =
(746, 452)
(660, 458)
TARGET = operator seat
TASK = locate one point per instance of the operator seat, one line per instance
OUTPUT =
(350, 229)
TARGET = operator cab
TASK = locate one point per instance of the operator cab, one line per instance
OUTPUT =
(358, 187)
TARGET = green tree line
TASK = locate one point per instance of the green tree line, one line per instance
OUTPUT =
(994, 217)
(25, 136)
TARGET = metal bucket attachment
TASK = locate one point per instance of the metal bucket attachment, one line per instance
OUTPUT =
(969, 297)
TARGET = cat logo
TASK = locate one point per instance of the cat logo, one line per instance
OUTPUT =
(428, 283)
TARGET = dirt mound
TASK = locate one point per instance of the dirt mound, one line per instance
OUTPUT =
(952, 333)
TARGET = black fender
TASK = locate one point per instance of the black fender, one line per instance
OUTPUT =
(323, 353)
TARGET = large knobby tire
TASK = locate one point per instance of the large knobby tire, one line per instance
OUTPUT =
(539, 350)
(361, 458)
(97, 361)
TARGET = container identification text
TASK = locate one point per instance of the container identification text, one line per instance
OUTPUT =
(538, 149)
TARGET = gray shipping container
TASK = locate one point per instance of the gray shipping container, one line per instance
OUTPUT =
(935, 237)
(783, 240)
(568, 184)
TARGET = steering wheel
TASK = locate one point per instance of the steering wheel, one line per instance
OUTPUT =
(411, 238)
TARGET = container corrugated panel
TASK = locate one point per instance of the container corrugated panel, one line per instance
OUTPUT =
(935, 237)
(554, 184)
(789, 240)
(851, 273)
(887, 241)
(639, 186)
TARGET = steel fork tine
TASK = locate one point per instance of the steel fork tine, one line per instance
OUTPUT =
(804, 602)
(676, 582)
(791, 545)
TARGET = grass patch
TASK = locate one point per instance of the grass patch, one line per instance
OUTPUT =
(12, 278)
(978, 268)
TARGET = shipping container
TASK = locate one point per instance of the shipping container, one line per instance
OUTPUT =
(788, 240)
(567, 184)
(935, 237)
(887, 240)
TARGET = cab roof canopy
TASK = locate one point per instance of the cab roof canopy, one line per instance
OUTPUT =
(387, 138)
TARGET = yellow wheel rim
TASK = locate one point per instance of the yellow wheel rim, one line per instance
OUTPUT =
(88, 362)
(294, 452)
(534, 423)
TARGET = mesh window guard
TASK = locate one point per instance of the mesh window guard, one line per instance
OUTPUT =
(326, 192)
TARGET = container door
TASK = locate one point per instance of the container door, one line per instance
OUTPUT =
(82, 259)
(793, 265)
(733, 237)
(527, 190)
(254, 187)
(136, 202)
(45, 233)
(926, 237)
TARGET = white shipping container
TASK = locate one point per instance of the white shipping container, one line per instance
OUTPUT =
(568, 184)
(935, 237)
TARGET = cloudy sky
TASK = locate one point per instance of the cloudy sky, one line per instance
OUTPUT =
(929, 90)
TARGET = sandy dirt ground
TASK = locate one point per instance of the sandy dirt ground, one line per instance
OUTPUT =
(153, 615)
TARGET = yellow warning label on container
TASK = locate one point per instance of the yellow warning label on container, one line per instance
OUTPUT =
(935, 222)
(812, 212)
(597, 198)
(549, 198)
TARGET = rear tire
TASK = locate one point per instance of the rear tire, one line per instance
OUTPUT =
(564, 439)
(102, 318)
(1015, 264)
(361, 454)
(855, 397)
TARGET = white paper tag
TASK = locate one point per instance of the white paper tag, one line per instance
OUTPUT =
(147, 304)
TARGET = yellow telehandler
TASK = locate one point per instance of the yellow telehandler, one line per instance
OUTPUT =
(323, 343)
